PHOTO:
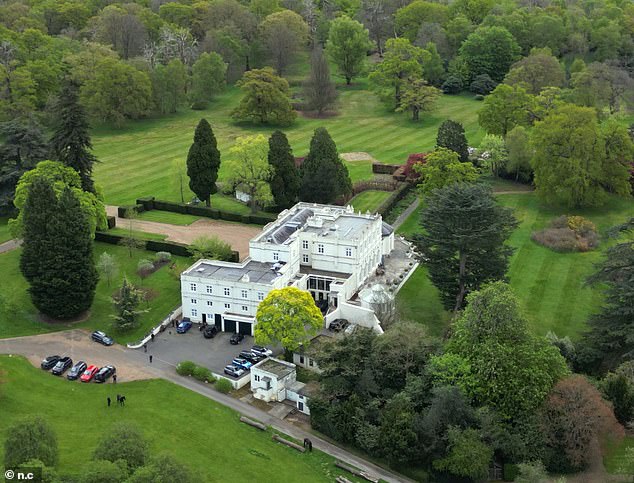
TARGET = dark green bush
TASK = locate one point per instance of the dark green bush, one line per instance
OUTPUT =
(186, 368)
(223, 385)
(203, 374)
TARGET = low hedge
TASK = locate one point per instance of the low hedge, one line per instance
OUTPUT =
(112, 221)
(223, 386)
(381, 168)
(394, 198)
(204, 211)
(203, 374)
(186, 368)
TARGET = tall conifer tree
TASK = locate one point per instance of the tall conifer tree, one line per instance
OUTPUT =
(203, 162)
(71, 140)
(324, 176)
(285, 179)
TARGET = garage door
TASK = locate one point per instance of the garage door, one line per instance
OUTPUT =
(245, 328)
(230, 325)
(218, 321)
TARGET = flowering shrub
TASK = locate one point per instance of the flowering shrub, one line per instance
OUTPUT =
(412, 160)
(568, 234)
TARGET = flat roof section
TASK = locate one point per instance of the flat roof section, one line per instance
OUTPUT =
(275, 367)
(348, 227)
(308, 270)
(258, 272)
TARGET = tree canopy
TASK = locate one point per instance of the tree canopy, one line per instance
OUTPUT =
(266, 98)
(348, 44)
(203, 162)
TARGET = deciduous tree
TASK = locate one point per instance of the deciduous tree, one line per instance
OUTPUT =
(443, 168)
(519, 154)
(465, 240)
(169, 86)
(29, 439)
(284, 34)
(467, 456)
(540, 69)
(108, 266)
(249, 169)
(126, 304)
(203, 162)
(319, 90)
(288, 316)
(285, 179)
(418, 96)
(490, 50)
(266, 98)
(208, 78)
(348, 45)
(162, 468)
(123, 441)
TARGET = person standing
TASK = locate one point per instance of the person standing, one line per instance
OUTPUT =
(109, 401)
(145, 347)
(114, 378)
(150, 358)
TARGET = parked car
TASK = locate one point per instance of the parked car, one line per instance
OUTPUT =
(236, 339)
(62, 366)
(338, 325)
(261, 351)
(101, 337)
(233, 371)
(49, 362)
(104, 373)
(243, 363)
(210, 332)
(89, 373)
(251, 357)
(76, 371)
(184, 326)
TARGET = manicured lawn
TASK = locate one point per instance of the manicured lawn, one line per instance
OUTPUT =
(369, 200)
(201, 433)
(550, 285)
(418, 301)
(19, 317)
(136, 160)
(167, 217)
(620, 458)
(411, 225)
(142, 235)
(4, 229)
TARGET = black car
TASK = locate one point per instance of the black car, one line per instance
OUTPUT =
(49, 362)
(337, 325)
(101, 337)
(105, 373)
(236, 339)
(210, 332)
(76, 371)
(62, 366)
(251, 357)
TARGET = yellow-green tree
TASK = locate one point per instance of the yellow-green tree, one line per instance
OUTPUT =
(288, 316)
(442, 168)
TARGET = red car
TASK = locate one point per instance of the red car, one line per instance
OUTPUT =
(89, 373)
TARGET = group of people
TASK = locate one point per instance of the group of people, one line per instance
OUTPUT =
(120, 400)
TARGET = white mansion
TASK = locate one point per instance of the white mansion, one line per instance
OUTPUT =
(330, 251)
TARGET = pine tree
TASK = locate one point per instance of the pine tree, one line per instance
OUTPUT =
(126, 307)
(285, 180)
(451, 136)
(324, 176)
(38, 209)
(319, 90)
(203, 162)
(71, 140)
(65, 285)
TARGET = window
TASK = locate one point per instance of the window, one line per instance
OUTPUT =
(301, 359)
(311, 363)
(260, 295)
(245, 308)
(227, 306)
(276, 256)
(210, 303)
(192, 287)
(210, 289)
(194, 301)
(305, 258)
(194, 313)
(320, 248)
(227, 291)
(348, 252)
(305, 244)
(245, 294)
(257, 378)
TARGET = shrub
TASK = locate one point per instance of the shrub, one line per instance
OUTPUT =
(185, 368)
(212, 248)
(482, 85)
(223, 385)
(453, 85)
(413, 160)
(568, 234)
(163, 257)
(144, 268)
(203, 374)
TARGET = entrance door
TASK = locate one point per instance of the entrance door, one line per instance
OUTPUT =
(300, 406)
(218, 321)
(204, 318)
(245, 328)
(230, 325)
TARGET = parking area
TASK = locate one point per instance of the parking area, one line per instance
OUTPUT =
(214, 354)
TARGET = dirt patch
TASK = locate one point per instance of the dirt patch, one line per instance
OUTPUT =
(357, 156)
(75, 320)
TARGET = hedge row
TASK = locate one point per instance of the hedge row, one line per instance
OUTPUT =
(380, 168)
(189, 368)
(123, 211)
(147, 204)
(379, 185)
(394, 198)
(174, 248)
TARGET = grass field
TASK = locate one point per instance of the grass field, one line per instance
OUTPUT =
(369, 200)
(550, 285)
(141, 235)
(136, 160)
(620, 458)
(19, 317)
(167, 217)
(4, 229)
(200, 433)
